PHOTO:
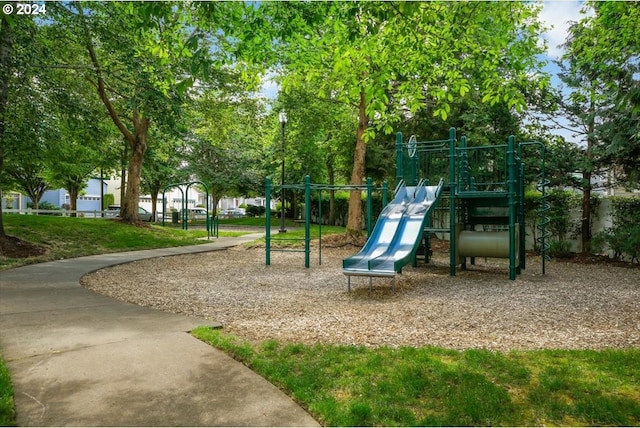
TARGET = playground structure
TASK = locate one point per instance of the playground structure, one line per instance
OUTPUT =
(481, 187)
(307, 188)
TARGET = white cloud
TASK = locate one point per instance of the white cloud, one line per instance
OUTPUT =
(559, 15)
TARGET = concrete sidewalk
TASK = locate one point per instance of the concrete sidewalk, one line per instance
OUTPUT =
(77, 358)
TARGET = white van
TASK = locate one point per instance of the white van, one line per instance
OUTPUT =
(196, 214)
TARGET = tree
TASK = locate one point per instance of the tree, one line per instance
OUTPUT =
(224, 148)
(6, 67)
(319, 137)
(25, 139)
(609, 43)
(163, 166)
(600, 70)
(141, 58)
(584, 106)
(420, 54)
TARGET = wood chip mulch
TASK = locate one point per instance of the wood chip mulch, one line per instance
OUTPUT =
(573, 306)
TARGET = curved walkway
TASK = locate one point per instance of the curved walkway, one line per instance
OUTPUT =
(77, 358)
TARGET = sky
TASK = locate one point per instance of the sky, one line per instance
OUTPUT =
(559, 15)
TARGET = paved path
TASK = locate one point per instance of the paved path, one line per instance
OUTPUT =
(78, 358)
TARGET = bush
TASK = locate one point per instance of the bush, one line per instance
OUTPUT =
(560, 249)
(342, 207)
(44, 206)
(562, 203)
(108, 199)
(255, 211)
(623, 238)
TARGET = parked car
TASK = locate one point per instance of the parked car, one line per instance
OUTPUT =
(196, 214)
(231, 213)
(114, 211)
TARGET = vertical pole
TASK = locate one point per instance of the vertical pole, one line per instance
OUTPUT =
(267, 231)
(307, 220)
(206, 207)
(282, 198)
(414, 169)
(164, 206)
(399, 172)
(512, 207)
(185, 204)
(319, 226)
(369, 205)
(463, 182)
(522, 257)
(543, 216)
(452, 202)
(385, 191)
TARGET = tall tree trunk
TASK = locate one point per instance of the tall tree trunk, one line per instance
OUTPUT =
(6, 48)
(123, 170)
(586, 213)
(36, 193)
(129, 208)
(137, 139)
(73, 199)
(331, 172)
(354, 222)
(214, 204)
(585, 226)
(155, 190)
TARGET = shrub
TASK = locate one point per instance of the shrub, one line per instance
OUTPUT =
(255, 211)
(560, 249)
(562, 203)
(44, 206)
(623, 238)
(108, 199)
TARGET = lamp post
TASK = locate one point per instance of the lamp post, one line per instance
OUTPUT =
(283, 121)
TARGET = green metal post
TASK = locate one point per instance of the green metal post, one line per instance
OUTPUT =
(521, 219)
(399, 172)
(452, 202)
(414, 169)
(369, 205)
(206, 190)
(385, 191)
(267, 231)
(512, 206)
(307, 220)
(164, 207)
(183, 216)
(463, 167)
(319, 226)
(543, 211)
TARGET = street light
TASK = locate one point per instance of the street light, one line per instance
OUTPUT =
(283, 121)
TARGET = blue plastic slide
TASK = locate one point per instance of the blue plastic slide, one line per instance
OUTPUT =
(397, 233)
(384, 230)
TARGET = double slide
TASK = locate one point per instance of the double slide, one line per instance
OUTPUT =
(397, 233)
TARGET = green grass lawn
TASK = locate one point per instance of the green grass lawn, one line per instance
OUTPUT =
(358, 386)
(7, 413)
(66, 237)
